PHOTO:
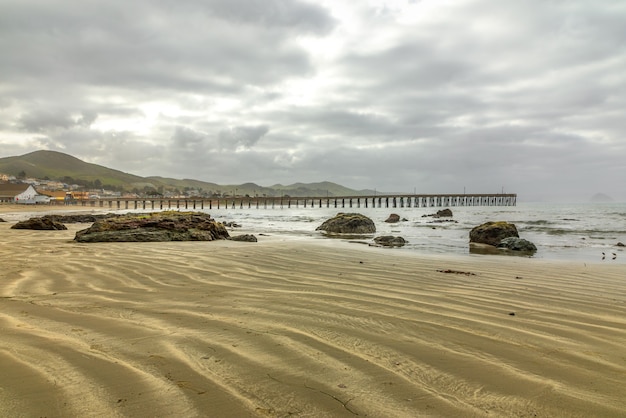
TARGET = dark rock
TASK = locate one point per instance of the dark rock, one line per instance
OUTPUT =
(158, 226)
(42, 224)
(80, 218)
(244, 238)
(2, 220)
(493, 232)
(390, 241)
(517, 244)
(620, 244)
(443, 213)
(348, 223)
(393, 218)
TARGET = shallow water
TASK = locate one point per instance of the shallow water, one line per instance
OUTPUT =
(577, 232)
(560, 231)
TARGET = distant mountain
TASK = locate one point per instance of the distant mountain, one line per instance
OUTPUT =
(55, 165)
(317, 189)
(601, 198)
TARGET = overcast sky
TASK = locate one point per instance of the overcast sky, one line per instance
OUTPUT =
(434, 96)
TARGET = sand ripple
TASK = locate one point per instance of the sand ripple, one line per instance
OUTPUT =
(294, 329)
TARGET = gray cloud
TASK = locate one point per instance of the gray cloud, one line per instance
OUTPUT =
(241, 136)
(389, 95)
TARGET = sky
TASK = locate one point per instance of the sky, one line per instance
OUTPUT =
(426, 96)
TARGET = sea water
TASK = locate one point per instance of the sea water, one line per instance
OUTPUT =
(579, 232)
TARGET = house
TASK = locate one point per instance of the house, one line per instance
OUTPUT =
(21, 193)
(57, 196)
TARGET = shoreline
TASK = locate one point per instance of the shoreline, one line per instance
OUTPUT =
(302, 327)
(568, 254)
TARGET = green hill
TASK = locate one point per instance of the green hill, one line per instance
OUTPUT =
(59, 166)
(53, 165)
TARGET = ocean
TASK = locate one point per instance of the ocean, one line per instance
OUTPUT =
(576, 232)
(580, 232)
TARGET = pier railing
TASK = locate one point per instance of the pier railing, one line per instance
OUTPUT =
(241, 202)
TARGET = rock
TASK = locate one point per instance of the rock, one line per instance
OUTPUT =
(2, 220)
(80, 218)
(493, 232)
(390, 241)
(620, 244)
(158, 226)
(483, 249)
(443, 213)
(517, 244)
(42, 224)
(348, 223)
(393, 218)
(244, 238)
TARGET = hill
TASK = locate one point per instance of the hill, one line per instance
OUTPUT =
(53, 165)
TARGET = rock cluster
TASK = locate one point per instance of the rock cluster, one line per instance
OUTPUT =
(502, 235)
(158, 226)
(348, 223)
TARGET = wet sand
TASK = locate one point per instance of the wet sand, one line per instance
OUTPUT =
(302, 328)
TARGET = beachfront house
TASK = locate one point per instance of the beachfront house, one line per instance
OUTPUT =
(59, 197)
(21, 193)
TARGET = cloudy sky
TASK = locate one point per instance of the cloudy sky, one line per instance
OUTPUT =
(525, 96)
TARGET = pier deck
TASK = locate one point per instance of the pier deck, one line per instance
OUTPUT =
(241, 202)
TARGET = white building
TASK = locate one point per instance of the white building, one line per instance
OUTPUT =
(21, 193)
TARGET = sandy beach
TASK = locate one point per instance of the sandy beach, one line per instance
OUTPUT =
(304, 328)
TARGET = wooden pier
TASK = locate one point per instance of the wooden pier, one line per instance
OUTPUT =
(343, 202)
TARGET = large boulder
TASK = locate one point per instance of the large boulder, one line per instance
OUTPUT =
(389, 241)
(42, 224)
(517, 244)
(348, 223)
(158, 226)
(493, 232)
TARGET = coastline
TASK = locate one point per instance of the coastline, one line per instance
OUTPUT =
(302, 327)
